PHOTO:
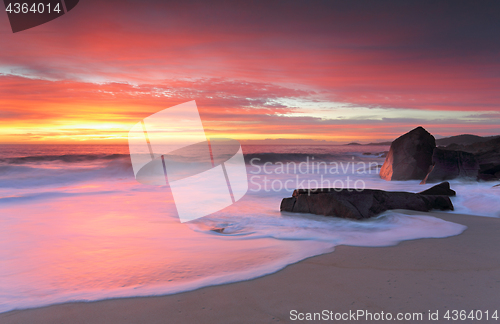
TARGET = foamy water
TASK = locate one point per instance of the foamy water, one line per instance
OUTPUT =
(79, 227)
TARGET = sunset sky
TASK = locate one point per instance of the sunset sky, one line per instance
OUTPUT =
(334, 71)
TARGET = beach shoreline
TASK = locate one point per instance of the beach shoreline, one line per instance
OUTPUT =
(418, 276)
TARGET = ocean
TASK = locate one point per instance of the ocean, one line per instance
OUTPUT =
(76, 226)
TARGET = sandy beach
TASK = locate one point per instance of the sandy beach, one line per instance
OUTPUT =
(455, 273)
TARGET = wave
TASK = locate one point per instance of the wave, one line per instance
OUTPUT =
(261, 158)
(252, 158)
(68, 158)
(123, 239)
(28, 198)
(49, 175)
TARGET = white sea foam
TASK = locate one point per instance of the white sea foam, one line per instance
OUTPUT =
(100, 234)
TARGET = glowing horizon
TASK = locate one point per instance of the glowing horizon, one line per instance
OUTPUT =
(337, 77)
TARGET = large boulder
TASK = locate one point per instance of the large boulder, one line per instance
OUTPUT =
(488, 156)
(350, 203)
(410, 156)
(447, 165)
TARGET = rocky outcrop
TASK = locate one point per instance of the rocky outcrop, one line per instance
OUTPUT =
(350, 203)
(414, 156)
(487, 155)
(440, 189)
(447, 165)
(409, 157)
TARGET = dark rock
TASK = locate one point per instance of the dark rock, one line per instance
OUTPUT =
(487, 177)
(489, 164)
(288, 204)
(447, 165)
(487, 154)
(410, 156)
(454, 147)
(489, 171)
(466, 156)
(350, 203)
(440, 189)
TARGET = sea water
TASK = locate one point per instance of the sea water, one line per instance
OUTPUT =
(75, 225)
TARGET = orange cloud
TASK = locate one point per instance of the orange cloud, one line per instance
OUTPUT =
(95, 71)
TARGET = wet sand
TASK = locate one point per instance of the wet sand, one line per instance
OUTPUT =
(455, 273)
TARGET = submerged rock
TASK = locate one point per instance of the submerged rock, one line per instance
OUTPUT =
(410, 156)
(350, 203)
